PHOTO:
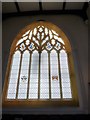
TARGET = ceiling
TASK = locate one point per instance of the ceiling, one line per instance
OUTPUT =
(22, 7)
(9, 7)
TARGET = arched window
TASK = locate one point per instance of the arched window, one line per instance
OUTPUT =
(40, 68)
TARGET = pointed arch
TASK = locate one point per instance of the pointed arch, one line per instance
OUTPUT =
(48, 28)
(46, 69)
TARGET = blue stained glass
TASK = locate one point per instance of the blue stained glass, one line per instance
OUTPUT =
(58, 46)
(31, 46)
(48, 45)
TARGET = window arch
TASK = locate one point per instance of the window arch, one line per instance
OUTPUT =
(40, 67)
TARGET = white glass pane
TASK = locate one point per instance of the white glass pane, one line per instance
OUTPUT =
(13, 81)
(33, 87)
(12, 86)
(14, 75)
(35, 31)
(24, 38)
(33, 90)
(22, 96)
(27, 42)
(67, 95)
(22, 86)
(60, 40)
(21, 40)
(12, 91)
(33, 96)
(40, 29)
(30, 35)
(54, 32)
(65, 78)
(44, 96)
(65, 84)
(11, 96)
(22, 91)
(44, 76)
(66, 89)
(35, 40)
(50, 34)
(24, 75)
(46, 39)
(42, 35)
(26, 33)
(55, 85)
(46, 31)
(38, 36)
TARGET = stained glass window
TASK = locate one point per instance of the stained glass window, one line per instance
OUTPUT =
(13, 79)
(33, 84)
(44, 76)
(40, 66)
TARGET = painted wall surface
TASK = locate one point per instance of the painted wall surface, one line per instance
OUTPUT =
(77, 32)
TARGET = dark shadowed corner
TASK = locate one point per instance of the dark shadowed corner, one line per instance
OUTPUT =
(0, 60)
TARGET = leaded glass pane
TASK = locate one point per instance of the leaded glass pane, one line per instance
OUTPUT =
(38, 36)
(14, 76)
(46, 31)
(58, 46)
(40, 29)
(33, 86)
(50, 34)
(31, 47)
(55, 87)
(65, 78)
(22, 96)
(54, 32)
(42, 35)
(24, 38)
(11, 96)
(26, 33)
(46, 39)
(35, 40)
(27, 42)
(49, 46)
(53, 41)
(30, 35)
(44, 76)
(35, 31)
(21, 40)
(23, 81)
(22, 47)
(61, 40)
